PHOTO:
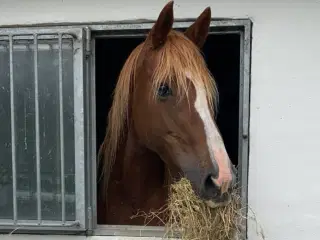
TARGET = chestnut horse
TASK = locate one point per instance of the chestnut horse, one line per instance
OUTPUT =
(161, 126)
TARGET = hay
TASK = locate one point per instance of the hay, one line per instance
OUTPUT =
(190, 218)
(193, 219)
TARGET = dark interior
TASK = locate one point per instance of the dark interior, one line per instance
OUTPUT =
(222, 54)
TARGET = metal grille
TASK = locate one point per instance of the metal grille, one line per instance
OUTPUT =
(41, 130)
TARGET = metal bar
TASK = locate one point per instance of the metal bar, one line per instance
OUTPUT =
(89, 164)
(36, 93)
(63, 208)
(54, 229)
(93, 133)
(41, 46)
(183, 23)
(131, 231)
(246, 76)
(241, 139)
(31, 36)
(28, 32)
(13, 134)
(79, 129)
(43, 223)
(40, 37)
(142, 35)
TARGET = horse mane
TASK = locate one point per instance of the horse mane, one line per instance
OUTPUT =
(117, 116)
(174, 58)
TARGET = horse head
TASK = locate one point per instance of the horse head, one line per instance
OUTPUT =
(171, 102)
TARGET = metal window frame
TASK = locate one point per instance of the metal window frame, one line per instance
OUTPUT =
(80, 223)
(87, 33)
(243, 27)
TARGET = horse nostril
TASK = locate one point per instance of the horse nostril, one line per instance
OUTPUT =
(215, 190)
(223, 187)
(210, 184)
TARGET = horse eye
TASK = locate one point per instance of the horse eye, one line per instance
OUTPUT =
(164, 91)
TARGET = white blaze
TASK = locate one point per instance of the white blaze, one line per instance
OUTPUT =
(214, 140)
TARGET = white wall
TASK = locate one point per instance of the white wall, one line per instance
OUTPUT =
(285, 115)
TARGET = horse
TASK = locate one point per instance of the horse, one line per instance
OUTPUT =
(161, 126)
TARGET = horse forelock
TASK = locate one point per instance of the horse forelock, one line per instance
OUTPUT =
(177, 57)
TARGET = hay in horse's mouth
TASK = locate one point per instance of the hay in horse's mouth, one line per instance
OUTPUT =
(192, 218)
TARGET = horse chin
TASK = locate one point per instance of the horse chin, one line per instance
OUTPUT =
(212, 204)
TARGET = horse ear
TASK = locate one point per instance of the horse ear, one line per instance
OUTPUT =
(198, 31)
(163, 25)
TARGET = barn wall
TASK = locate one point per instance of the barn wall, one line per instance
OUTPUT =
(284, 126)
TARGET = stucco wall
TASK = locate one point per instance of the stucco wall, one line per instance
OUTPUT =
(285, 115)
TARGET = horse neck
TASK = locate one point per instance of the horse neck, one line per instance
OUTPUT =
(142, 170)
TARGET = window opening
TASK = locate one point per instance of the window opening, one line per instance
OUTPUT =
(222, 55)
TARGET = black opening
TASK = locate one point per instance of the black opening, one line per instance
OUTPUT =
(222, 54)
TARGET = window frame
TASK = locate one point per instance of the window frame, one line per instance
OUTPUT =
(87, 33)
(243, 27)
(80, 223)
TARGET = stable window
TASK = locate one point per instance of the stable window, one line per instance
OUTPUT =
(227, 54)
(56, 89)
